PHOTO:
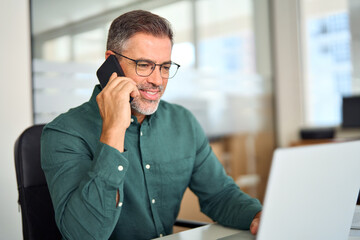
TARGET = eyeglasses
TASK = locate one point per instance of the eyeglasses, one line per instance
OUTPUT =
(145, 68)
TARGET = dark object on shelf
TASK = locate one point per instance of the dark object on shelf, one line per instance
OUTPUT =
(351, 112)
(317, 133)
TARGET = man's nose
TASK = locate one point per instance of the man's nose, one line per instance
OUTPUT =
(155, 77)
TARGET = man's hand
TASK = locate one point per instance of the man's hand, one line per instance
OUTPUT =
(254, 227)
(115, 110)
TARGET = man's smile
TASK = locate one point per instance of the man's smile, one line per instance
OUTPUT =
(150, 94)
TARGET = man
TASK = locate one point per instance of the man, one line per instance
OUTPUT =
(118, 170)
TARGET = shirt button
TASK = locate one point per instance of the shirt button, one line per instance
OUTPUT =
(120, 204)
(141, 133)
(132, 120)
(147, 166)
(153, 201)
(120, 168)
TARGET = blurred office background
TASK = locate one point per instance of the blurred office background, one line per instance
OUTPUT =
(253, 72)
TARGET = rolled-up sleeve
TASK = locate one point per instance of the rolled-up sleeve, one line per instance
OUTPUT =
(219, 196)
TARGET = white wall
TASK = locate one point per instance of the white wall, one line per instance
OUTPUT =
(15, 105)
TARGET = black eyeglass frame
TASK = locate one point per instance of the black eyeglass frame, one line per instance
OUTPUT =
(151, 62)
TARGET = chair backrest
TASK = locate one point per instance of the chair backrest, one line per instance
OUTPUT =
(34, 198)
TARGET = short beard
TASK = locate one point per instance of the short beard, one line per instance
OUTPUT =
(136, 105)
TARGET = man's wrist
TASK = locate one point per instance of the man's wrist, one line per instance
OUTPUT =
(258, 215)
(113, 138)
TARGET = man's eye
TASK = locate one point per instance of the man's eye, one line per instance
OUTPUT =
(166, 67)
(143, 65)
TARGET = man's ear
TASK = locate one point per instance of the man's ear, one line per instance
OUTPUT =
(108, 53)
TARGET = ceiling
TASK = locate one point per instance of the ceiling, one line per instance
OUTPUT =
(52, 14)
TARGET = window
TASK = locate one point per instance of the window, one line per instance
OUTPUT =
(327, 60)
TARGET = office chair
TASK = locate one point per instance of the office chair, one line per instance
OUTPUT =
(34, 198)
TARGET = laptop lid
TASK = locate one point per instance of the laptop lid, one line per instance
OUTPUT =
(311, 192)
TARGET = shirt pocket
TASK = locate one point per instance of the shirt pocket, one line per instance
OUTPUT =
(175, 177)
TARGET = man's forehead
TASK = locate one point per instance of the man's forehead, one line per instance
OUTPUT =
(142, 37)
(147, 46)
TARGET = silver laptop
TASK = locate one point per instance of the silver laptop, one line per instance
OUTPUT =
(311, 193)
(356, 219)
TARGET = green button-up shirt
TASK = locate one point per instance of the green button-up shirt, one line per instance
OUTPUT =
(163, 156)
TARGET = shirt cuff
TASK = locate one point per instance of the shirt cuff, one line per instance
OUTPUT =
(110, 164)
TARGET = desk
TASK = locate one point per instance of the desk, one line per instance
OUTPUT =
(207, 232)
(215, 231)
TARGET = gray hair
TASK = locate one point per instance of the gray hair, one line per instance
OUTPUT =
(138, 21)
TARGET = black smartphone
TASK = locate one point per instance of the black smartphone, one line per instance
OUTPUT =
(110, 66)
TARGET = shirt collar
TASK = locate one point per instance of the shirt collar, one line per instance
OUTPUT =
(96, 91)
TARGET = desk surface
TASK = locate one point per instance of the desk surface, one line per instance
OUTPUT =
(208, 232)
(216, 231)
